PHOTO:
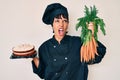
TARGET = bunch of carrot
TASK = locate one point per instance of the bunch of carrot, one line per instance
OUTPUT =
(89, 50)
(89, 47)
(89, 24)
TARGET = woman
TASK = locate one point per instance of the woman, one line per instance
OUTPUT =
(59, 57)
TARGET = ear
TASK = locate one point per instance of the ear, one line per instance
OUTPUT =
(52, 29)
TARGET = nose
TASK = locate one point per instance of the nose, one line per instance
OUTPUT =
(61, 23)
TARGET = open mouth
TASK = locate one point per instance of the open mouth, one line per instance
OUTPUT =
(61, 31)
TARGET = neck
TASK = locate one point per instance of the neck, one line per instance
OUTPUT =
(59, 38)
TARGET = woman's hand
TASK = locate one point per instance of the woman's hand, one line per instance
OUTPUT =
(91, 27)
(36, 61)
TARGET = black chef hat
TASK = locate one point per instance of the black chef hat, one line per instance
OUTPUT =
(53, 10)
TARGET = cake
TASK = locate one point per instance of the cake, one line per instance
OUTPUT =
(24, 50)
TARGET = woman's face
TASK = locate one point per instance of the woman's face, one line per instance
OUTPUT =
(60, 26)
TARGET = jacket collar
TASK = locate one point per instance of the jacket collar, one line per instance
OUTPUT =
(64, 40)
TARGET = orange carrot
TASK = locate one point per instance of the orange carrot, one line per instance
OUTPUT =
(88, 50)
(95, 45)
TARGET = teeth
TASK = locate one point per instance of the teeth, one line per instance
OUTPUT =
(60, 29)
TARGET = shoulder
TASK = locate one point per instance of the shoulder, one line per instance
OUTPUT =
(76, 38)
(45, 44)
(43, 48)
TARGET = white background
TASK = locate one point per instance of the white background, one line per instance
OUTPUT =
(20, 22)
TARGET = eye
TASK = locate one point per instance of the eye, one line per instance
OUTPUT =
(56, 20)
(66, 21)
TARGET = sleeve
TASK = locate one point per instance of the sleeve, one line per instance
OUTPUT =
(101, 50)
(40, 71)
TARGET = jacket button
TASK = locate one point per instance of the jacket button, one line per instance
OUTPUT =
(66, 58)
(56, 73)
(66, 72)
(54, 60)
(54, 46)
